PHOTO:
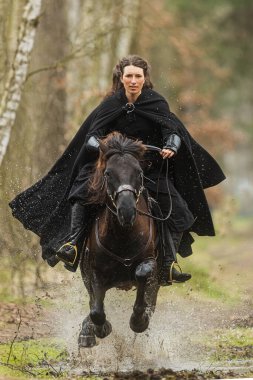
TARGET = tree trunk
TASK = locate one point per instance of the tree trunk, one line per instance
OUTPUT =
(71, 65)
(18, 72)
(37, 137)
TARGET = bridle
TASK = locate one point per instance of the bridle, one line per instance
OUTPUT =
(126, 261)
(138, 192)
(113, 195)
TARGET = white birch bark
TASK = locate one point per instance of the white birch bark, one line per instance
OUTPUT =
(18, 72)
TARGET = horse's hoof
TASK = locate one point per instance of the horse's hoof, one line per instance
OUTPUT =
(86, 341)
(103, 331)
(139, 325)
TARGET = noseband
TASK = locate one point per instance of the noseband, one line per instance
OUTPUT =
(113, 196)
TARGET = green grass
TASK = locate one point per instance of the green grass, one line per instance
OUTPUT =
(38, 358)
(215, 264)
(233, 337)
(231, 344)
(206, 280)
(203, 284)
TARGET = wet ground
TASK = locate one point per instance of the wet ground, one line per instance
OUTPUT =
(184, 339)
(192, 335)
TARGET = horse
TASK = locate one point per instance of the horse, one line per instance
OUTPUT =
(121, 248)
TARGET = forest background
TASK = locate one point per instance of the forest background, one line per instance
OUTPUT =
(56, 60)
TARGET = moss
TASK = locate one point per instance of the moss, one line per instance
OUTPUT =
(230, 344)
(32, 357)
(6, 372)
(238, 337)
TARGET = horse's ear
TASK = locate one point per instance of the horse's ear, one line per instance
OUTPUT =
(102, 146)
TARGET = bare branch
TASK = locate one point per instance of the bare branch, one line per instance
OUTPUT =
(78, 52)
(17, 368)
(15, 336)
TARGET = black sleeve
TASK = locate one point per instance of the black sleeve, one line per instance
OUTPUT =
(92, 139)
(99, 133)
(170, 140)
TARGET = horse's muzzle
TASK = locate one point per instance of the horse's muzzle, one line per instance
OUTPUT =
(127, 216)
(126, 209)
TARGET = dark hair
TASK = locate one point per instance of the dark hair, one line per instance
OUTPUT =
(129, 60)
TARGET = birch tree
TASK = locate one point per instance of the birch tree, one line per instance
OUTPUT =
(36, 140)
(69, 72)
(18, 72)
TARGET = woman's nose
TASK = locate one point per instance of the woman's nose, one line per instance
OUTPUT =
(133, 80)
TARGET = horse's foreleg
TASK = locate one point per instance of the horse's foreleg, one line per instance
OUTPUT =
(102, 327)
(87, 336)
(97, 313)
(139, 320)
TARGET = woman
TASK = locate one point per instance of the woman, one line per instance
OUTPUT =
(58, 205)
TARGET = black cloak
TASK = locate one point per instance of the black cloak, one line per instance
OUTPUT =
(44, 207)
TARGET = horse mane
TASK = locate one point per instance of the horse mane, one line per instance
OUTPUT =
(114, 143)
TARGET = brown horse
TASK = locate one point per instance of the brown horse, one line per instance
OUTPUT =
(121, 248)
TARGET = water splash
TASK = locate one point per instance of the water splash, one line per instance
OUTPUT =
(170, 340)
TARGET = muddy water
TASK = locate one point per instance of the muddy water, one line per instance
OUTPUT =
(171, 340)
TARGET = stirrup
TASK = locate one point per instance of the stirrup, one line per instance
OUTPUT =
(167, 277)
(171, 269)
(179, 277)
(65, 261)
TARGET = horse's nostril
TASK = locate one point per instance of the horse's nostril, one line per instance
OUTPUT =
(126, 216)
(133, 217)
(120, 217)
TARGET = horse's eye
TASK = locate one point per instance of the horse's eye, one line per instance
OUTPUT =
(107, 173)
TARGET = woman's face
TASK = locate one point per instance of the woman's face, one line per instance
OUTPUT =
(133, 80)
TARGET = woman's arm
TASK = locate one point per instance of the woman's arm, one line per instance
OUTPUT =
(92, 141)
(172, 143)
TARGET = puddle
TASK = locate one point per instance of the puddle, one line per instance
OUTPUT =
(169, 342)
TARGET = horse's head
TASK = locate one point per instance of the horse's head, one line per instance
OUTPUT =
(122, 174)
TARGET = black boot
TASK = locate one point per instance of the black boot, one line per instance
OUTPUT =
(169, 273)
(69, 253)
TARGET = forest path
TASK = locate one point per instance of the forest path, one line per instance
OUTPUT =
(193, 325)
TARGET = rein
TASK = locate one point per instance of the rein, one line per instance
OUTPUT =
(169, 196)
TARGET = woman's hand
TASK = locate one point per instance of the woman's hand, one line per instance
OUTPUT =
(167, 153)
